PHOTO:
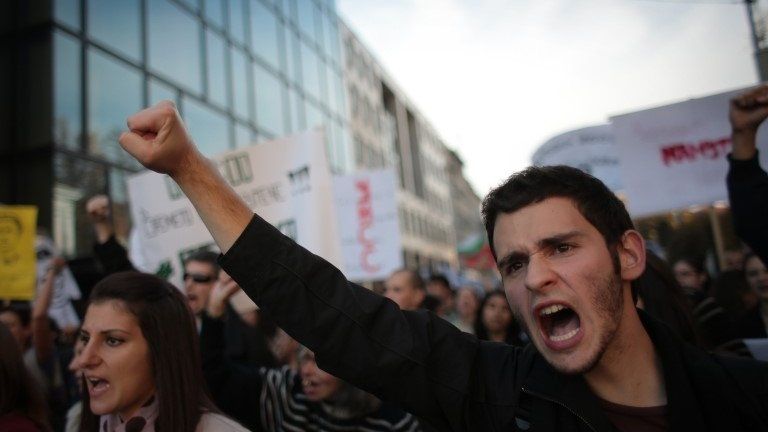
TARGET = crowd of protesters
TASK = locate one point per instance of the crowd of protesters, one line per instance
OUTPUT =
(203, 357)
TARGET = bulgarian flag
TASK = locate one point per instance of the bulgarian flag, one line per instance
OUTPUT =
(474, 252)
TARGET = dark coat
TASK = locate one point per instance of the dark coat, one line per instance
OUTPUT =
(452, 379)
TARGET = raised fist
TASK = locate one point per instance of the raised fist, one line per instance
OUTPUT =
(158, 140)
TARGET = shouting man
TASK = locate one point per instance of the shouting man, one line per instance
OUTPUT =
(567, 252)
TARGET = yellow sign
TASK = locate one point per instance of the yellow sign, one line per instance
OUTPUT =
(17, 252)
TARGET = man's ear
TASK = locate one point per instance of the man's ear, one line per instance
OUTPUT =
(631, 250)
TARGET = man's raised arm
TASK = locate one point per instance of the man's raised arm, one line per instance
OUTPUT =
(158, 139)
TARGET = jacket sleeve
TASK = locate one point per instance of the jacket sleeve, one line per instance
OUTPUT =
(413, 358)
(112, 256)
(748, 194)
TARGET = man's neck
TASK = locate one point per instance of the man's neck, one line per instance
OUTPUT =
(629, 372)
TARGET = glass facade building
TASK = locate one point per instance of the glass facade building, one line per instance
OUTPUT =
(240, 71)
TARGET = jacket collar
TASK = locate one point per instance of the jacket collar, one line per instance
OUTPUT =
(572, 392)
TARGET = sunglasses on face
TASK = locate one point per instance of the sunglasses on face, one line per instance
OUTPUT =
(199, 278)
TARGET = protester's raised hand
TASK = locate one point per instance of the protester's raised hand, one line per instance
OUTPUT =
(97, 208)
(749, 109)
(158, 139)
(224, 289)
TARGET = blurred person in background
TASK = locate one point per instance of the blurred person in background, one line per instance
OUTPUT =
(22, 406)
(440, 288)
(715, 328)
(406, 288)
(754, 322)
(732, 291)
(280, 399)
(140, 360)
(495, 322)
(111, 255)
(467, 306)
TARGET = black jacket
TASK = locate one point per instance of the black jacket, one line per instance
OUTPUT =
(748, 195)
(455, 381)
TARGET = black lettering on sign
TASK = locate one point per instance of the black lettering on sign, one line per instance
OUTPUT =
(154, 225)
(236, 169)
(299, 179)
(288, 228)
(263, 196)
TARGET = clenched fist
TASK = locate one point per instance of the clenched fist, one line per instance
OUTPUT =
(158, 139)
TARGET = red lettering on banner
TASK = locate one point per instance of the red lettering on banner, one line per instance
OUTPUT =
(678, 153)
(365, 221)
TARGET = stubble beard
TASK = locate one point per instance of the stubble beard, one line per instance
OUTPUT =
(608, 302)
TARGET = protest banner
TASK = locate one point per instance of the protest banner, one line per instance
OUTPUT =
(18, 225)
(674, 156)
(367, 221)
(286, 181)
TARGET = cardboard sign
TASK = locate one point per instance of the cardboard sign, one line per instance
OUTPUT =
(17, 252)
(674, 156)
(286, 181)
(367, 221)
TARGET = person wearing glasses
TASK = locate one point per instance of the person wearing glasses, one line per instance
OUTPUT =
(201, 271)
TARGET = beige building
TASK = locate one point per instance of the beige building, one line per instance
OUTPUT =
(465, 202)
(388, 131)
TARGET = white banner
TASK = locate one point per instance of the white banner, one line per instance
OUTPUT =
(674, 156)
(286, 181)
(370, 238)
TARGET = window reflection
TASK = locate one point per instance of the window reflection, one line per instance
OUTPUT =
(217, 71)
(159, 91)
(116, 24)
(236, 25)
(313, 115)
(269, 101)
(67, 87)
(264, 31)
(114, 93)
(310, 71)
(240, 84)
(67, 12)
(296, 108)
(214, 11)
(305, 11)
(331, 35)
(174, 44)
(292, 54)
(243, 136)
(208, 128)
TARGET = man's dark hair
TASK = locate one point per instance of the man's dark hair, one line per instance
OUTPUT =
(23, 310)
(592, 198)
(205, 256)
(442, 280)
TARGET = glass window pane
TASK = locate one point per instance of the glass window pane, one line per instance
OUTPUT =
(194, 4)
(310, 71)
(208, 128)
(116, 24)
(240, 84)
(118, 196)
(305, 10)
(313, 115)
(114, 93)
(332, 44)
(67, 87)
(67, 12)
(236, 27)
(217, 71)
(214, 11)
(269, 101)
(264, 31)
(243, 135)
(292, 55)
(296, 108)
(159, 91)
(332, 101)
(174, 44)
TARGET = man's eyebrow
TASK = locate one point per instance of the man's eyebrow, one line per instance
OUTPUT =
(544, 243)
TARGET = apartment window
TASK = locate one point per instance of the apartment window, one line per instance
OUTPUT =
(116, 24)
(217, 68)
(68, 88)
(114, 91)
(240, 84)
(269, 101)
(174, 44)
(208, 128)
(264, 31)
(237, 21)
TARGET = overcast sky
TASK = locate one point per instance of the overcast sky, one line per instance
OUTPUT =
(497, 78)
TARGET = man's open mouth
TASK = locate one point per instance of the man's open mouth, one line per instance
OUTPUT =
(559, 324)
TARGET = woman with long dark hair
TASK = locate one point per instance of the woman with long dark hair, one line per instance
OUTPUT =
(22, 407)
(140, 360)
(495, 321)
